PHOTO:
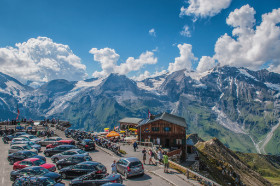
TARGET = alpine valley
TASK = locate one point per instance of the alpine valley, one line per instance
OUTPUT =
(238, 106)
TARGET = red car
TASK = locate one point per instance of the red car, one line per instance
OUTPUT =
(33, 162)
(60, 142)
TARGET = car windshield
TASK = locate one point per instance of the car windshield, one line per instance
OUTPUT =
(31, 143)
(49, 182)
(32, 137)
(30, 154)
(135, 164)
(39, 162)
(99, 166)
(81, 152)
(42, 171)
(27, 147)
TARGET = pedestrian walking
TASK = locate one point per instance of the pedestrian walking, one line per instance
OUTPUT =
(165, 162)
(144, 153)
(114, 167)
(135, 146)
(160, 155)
(151, 157)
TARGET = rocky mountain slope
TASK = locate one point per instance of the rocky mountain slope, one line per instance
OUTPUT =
(238, 106)
(225, 167)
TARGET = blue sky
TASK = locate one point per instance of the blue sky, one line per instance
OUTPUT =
(123, 26)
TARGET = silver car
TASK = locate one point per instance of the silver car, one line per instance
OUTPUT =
(50, 140)
(130, 167)
(19, 140)
(31, 138)
(67, 154)
(18, 147)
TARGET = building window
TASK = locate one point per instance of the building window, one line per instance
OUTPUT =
(167, 129)
(155, 129)
(179, 141)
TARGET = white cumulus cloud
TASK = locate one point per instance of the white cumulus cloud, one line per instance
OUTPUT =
(108, 58)
(41, 60)
(205, 63)
(251, 47)
(152, 32)
(186, 31)
(185, 60)
(204, 8)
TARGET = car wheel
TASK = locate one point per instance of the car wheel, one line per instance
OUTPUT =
(125, 175)
(12, 161)
(55, 160)
(63, 175)
(59, 167)
(142, 174)
(47, 154)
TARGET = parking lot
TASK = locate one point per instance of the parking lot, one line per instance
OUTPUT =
(97, 155)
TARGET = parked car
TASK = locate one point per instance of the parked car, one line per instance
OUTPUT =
(30, 143)
(49, 140)
(19, 139)
(33, 162)
(86, 144)
(36, 180)
(15, 135)
(92, 179)
(82, 168)
(58, 149)
(31, 138)
(18, 147)
(23, 154)
(130, 167)
(61, 142)
(67, 154)
(35, 171)
(72, 160)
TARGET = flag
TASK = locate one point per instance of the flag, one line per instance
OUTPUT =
(17, 112)
(149, 114)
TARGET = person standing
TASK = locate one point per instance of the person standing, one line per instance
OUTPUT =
(114, 167)
(135, 146)
(160, 156)
(165, 162)
(144, 153)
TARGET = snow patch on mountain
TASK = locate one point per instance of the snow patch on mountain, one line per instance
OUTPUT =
(244, 72)
(226, 122)
(273, 86)
(85, 84)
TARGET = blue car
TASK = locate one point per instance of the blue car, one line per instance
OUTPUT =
(10, 137)
(35, 171)
(36, 180)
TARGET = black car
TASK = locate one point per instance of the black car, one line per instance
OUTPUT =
(82, 168)
(21, 155)
(86, 144)
(72, 160)
(35, 171)
(58, 149)
(96, 179)
(36, 180)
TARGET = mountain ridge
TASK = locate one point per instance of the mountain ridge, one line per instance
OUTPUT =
(224, 102)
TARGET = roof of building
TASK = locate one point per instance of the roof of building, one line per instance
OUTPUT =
(130, 120)
(166, 117)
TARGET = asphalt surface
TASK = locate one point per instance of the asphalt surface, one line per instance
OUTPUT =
(97, 155)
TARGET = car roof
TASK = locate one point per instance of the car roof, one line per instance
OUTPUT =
(131, 159)
(33, 167)
(65, 146)
(31, 159)
(19, 145)
(89, 163)
(76, 150)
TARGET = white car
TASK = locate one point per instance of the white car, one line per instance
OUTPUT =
(31, 138)
(19, 140)
(18, 147)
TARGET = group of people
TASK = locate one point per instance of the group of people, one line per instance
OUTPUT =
(161, 156)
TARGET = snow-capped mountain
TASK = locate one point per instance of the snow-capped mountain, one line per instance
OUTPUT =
(237, 105)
